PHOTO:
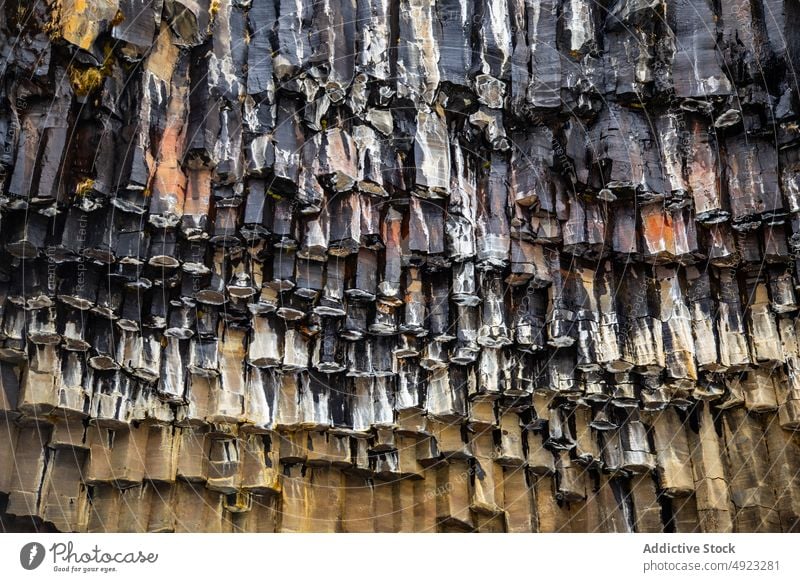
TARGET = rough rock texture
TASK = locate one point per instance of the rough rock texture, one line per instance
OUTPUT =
(399, 265)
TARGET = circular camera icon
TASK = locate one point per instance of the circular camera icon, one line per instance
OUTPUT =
(31, 555)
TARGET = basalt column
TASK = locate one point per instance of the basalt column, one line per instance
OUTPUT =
(399, 265)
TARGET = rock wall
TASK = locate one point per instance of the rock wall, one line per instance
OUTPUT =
(399, 265)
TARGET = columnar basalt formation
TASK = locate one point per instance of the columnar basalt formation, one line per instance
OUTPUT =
(399, 265)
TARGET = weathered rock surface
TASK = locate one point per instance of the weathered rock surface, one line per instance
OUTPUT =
(399, 265)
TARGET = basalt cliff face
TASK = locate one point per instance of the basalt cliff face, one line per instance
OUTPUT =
(399, 265)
